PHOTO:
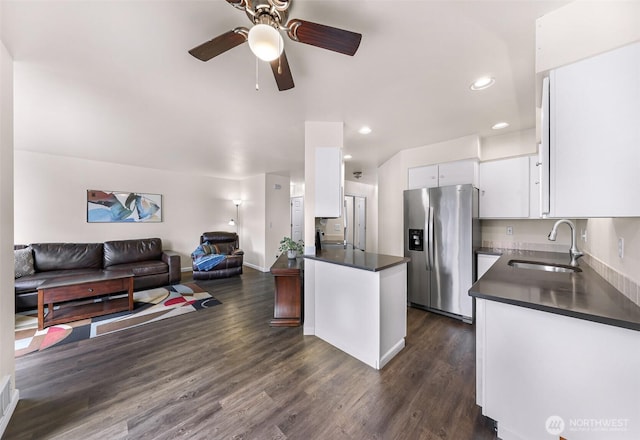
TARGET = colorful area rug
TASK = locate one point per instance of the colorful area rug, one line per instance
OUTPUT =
(149, 306)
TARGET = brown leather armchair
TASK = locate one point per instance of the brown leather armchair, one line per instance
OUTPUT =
(226, 243)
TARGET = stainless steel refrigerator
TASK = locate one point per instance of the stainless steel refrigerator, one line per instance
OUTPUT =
(441, 232)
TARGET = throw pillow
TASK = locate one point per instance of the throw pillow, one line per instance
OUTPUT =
(209, 248)
(23, 260)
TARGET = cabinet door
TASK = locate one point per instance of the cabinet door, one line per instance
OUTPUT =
(534, 187)
(595, 136)
(504, 188)
(329, 198)
(423, 177)
(458, 173)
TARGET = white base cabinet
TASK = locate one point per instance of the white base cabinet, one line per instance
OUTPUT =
(484, 263)
(361, 312)
(537, 372)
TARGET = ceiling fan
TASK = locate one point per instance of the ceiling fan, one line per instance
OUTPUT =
(269, 18)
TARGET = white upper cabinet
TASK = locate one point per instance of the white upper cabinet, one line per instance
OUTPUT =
(504, 188)
(534, 187)
(459, 172)
(329, 182)
(423, 177)
(594, 136)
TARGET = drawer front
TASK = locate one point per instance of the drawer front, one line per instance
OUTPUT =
(84, 290)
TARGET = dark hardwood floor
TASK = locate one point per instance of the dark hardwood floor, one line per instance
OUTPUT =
(223, 373)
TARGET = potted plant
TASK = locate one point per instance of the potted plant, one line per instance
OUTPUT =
(292, 247)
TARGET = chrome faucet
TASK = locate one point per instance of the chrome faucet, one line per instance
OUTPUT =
(573, 251)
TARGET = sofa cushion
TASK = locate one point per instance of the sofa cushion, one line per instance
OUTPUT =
(67, 256)
(23, 262)
(142, 268)
(30, 283)
(132, 251)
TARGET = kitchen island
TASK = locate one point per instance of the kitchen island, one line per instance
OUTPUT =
(556, 353)
(357, 302)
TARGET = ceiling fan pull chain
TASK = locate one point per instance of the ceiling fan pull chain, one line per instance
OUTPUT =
(257, 85)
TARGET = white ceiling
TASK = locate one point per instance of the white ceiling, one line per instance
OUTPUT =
(112, 81)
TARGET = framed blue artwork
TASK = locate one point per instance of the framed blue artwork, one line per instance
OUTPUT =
(123, 207)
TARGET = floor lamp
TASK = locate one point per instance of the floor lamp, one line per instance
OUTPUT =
(235, 222)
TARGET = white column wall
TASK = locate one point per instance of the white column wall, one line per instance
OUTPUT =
(7, 298)
(316, 135)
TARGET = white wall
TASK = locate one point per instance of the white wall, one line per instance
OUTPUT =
(602, 243)
(252, 220)
(584, 28)
(392, 181)
(527, 234)
(51, 202)
(7, 298)
(517, 143)
(278, 216)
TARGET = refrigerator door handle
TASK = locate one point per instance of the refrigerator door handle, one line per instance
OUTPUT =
(430, 238)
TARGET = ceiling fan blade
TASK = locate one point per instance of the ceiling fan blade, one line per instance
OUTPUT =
(220, 44)
(326, 37)
(282, 72)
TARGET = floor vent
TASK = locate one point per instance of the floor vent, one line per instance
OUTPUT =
(8, 402)
(5, 394)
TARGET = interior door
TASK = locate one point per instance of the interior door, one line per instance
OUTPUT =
(360, 223)
(297, 218)
(348, 220)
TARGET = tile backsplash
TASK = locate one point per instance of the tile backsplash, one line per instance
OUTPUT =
(628, 287)
(521, 245)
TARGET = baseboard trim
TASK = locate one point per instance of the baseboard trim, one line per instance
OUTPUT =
(391, 353)
(4, 421)
(256, 267)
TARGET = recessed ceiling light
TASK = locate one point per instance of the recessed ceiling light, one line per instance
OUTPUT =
(500, 126)
(348, 156)
(482, 83)
(364, 130)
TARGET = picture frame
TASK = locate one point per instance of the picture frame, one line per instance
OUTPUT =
(123, 207)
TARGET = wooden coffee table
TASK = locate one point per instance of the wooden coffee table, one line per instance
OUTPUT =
(63, 291)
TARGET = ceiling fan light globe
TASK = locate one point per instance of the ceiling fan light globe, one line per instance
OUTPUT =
(265, 42)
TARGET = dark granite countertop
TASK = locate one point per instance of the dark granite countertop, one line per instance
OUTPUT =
(584, 295)
(358, 259)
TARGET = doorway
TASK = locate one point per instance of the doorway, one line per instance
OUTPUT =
(297, 218)
(355, 210)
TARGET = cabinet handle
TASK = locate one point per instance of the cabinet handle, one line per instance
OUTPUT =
(90, 290)
(538, 164)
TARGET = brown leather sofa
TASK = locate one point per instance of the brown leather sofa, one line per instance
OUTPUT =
(150, 265)
(226, 243)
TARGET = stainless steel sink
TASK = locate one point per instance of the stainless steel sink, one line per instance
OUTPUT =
(547, 267)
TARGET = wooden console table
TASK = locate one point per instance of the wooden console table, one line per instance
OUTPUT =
(64, 290)
(289, 280)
